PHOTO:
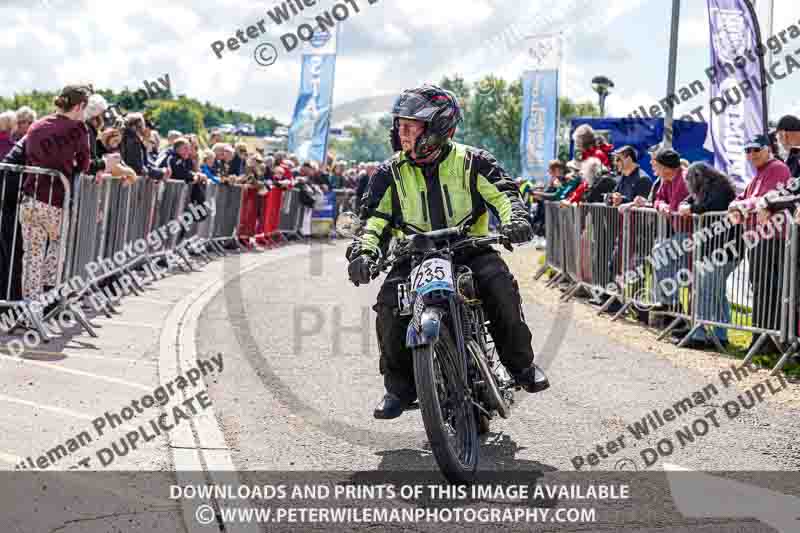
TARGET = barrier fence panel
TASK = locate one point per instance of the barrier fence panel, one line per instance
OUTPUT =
(204, 230)
(570, 233)
(636, 279)
(229, 203)
(673, 271)
(744, 279)
(291, 214)
(601, 252)
(793, 300)
(554, 253)
(270, 217)
(34, 230)
(249, 214)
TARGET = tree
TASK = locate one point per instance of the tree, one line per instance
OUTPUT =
(171, 115)
(370, 141)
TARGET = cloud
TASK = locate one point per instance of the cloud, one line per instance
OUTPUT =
(694, 33)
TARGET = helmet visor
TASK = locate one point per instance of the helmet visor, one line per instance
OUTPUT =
(413, 106)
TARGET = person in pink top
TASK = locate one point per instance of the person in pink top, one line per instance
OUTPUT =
(767, 255)
(673, 191)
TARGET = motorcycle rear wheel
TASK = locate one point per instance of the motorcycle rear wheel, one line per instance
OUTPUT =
(448, 416)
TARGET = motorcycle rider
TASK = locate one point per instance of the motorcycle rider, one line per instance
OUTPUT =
(433, 183)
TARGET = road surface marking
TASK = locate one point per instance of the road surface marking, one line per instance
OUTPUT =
(81, 373)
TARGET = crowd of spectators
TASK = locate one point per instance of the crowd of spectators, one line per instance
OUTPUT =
(679, 189)
(88, 136)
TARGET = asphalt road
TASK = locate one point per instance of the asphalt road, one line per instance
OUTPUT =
(302, 378)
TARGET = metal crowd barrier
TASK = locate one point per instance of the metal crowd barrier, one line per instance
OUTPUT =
(21, 190)
(292, 213)
(228, 200)
(110, 230)
(570, 225)
(746, 276)
(698, 270)
(636, 281)
(554, 245)
(793, 323)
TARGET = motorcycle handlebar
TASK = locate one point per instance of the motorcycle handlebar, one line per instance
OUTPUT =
(496, 238)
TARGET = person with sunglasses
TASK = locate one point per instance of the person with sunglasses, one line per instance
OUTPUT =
(766, 257)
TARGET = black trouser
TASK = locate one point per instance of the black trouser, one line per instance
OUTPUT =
(766, 272)
(499, 292)
(538, 220)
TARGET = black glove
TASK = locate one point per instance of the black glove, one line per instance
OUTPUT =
(518, 231)
(359, 269)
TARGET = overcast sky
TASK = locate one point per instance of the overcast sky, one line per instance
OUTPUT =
(386, 47)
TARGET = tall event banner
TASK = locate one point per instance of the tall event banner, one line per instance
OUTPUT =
(308, 133)
(539, 122)
(734, 31)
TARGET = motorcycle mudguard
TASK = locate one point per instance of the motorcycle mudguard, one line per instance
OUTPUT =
(430, 319)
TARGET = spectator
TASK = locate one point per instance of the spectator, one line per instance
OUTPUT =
(633, 180)
(789, 138)
(149, 140)
(10, 230)
(208, 166)
(711, 191)
(765, 258)
(103, 141)
(593, 184)
(228, 153)
(673, 191)
(237, 164)
(337, 179)
(556, 170)
(526, 191)
(586, 145)
(134, 151)
(8, 124)
(361, 188)
(172, 136)
(25, 117)
(179, 161)
(214, 137)
(570, 182)
(41, 211)
(269, 165)
(194, 151)
(219, 168)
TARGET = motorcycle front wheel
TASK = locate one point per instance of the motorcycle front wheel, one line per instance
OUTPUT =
(448, 415)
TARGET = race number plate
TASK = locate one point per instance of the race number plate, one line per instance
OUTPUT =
(404, 299)
(431, 275)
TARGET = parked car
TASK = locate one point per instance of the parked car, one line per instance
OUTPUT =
(245, 129)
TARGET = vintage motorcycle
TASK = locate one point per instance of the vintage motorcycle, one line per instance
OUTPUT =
(460, 381)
